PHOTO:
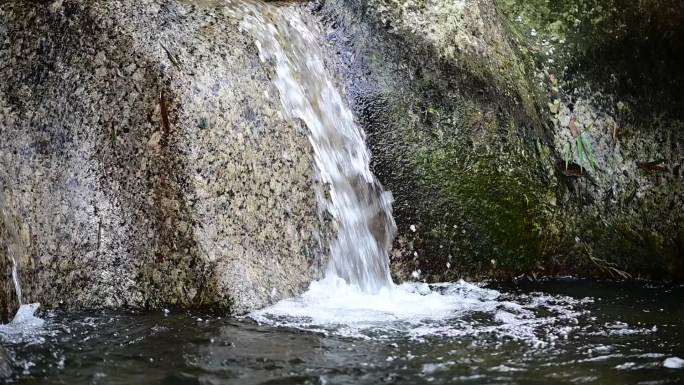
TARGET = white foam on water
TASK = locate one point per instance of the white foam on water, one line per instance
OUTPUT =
(332, 301)
(24, 326)
(673, 363)
(419, 311)
(25, 317)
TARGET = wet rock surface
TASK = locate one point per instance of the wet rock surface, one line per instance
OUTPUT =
(5, 364)
(471, 111)
(145, 160)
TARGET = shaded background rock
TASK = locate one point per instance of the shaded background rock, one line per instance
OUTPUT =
(145, 160)
(615, 70)
(467, 107)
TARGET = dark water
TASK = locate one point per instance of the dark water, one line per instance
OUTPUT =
(622, 336)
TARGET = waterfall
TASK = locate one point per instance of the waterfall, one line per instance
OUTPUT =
(24, 320)
(11, 236)
(356, 200)
(357, 292)
(15, 278)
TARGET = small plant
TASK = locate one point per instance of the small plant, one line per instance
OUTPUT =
(567, 154)
(585, 152)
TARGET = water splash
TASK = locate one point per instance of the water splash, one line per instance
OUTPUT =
(419, 311)
(360, 207)
(24, 327)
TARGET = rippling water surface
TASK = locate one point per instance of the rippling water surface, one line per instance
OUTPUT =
(563, 331)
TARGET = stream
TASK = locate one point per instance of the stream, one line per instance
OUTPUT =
(557, 331)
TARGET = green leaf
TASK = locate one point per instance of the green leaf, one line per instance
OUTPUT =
(567, 153)
(590, 155)
(580, 150)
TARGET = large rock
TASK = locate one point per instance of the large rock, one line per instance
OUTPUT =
(462, 111)
(145, 160)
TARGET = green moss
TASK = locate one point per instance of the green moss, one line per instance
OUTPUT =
(631, 47)
(465, 141)
(490, 206)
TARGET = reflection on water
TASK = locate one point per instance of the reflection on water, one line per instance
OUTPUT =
(589, 332)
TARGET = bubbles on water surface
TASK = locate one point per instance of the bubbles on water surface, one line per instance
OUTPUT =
(673, 363)
(24, 326)
(419, 311)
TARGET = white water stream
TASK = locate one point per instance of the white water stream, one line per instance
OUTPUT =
(361, 208)
(11, 236)
(357, 296)
(15, 278)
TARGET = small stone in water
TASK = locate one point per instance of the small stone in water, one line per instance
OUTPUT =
(673, 363)
(413, 228)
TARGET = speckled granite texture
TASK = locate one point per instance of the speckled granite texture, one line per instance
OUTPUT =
(145, 160)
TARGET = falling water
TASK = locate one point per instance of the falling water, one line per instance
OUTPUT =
(15, 278)
(357, 201)
(24, 320)
(11, 236)
(357, 294)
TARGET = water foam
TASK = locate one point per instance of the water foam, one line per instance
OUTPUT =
(24, 326)
(332, 301)
(419, 311)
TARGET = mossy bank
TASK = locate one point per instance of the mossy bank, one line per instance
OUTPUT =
(472, 109)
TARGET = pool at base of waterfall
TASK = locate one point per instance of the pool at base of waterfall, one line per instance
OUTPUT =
(562, 331)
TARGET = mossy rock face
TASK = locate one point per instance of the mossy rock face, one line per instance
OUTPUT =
(467, 114)
(617, 76)
(456, 134)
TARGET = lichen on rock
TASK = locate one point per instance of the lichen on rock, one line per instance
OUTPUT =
(145, 151)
